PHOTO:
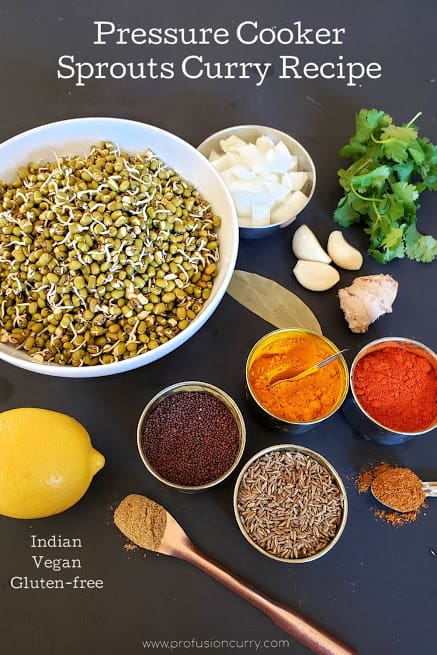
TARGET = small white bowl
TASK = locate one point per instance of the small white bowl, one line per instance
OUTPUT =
(76, 136)
(250, 133)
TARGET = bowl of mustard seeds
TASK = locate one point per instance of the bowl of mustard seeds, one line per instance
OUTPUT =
(191, 436)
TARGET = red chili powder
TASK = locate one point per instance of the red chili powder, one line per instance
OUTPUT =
(398, 388)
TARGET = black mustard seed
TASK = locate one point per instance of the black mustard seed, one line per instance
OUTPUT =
(191, 438)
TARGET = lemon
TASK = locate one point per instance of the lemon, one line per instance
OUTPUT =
(47, 462)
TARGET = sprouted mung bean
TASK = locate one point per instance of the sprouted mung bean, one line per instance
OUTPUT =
(102, 257)
(289, 504)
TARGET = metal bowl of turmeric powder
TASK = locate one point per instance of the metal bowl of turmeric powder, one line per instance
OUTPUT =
(393, 397)
(295, 406)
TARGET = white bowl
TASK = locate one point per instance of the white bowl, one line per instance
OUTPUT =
(250, 133)
(76, 136)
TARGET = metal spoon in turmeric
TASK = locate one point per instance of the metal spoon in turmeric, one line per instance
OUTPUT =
(287, 374)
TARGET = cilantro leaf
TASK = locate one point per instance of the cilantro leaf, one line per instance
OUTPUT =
(390, 167)
(345, 177)
(422, 248)
(376, 177)
(367, 121)
(404, 171)
(396, 209)
(360, 205)
(345, 214)
(383, 257)
(399, 133)
(396, 142)
(386, 242)
(428, 169)
(396, 150)
(393, 238)
(405, 193)
(353, 149)
(359, 152)
(430, 183)
(417, 153)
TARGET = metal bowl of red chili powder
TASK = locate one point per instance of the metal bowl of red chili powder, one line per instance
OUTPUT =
(393, 397)
(191, 436)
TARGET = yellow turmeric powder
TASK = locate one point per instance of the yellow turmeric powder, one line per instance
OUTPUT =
(304, 400)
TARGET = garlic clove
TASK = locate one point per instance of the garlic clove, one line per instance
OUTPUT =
(342, 253)
(305, 245)
(315, 276)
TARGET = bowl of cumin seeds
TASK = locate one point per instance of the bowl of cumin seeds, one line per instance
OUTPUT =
(290, 503)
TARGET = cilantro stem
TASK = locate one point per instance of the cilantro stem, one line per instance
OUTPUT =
(378, 215)
(368, 161)
(358, 195)
(381, 140)
(419, 113)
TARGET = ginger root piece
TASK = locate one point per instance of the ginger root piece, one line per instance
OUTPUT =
(366, 299)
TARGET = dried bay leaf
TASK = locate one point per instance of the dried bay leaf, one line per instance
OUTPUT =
(272, 302)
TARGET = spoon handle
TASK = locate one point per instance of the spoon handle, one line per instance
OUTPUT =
(284, 375)
(430, 489)
(290, 621)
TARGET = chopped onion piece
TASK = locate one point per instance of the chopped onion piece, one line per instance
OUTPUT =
(295, 180)
(263, 179)
(242, 172)
(260, 214)
(243, 204)
(264, 143)
(225, 161)
(213, 155)
(290, 206)
(231, 143)
(279, 158)
(245, 222)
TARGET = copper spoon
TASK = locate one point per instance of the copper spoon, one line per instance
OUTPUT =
(150, 526)
(287, 374)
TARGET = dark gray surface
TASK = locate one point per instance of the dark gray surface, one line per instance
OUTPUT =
(377, 589)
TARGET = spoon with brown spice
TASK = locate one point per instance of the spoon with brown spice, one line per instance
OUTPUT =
(402, 490)
(150, 526)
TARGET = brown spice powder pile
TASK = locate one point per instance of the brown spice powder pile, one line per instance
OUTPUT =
(396, 518)
(400, 489)
(366, 477)
(397, 486)
(141, 520)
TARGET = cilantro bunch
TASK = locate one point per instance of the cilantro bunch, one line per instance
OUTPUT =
(391, 167)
